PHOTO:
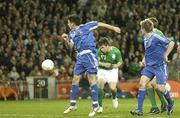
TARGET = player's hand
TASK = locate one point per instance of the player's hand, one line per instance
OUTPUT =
(117, 29)
(166, 59)
(141, 64)
(107, 65)
(64, 37)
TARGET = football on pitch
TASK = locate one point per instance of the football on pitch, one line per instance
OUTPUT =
(47, 65)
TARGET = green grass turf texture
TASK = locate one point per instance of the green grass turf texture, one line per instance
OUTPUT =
(55, 108)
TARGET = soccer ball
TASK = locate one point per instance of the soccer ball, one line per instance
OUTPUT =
(47, 65)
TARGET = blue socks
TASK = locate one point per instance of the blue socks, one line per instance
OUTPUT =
(94, 94)
(168, 97)
(73, 94)
(141, 96)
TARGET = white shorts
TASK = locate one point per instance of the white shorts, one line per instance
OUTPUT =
(108, 75)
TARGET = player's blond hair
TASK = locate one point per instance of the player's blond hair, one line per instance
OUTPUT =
(147, 25)
(154, 20)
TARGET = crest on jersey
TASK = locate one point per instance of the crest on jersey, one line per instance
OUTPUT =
(113, 56)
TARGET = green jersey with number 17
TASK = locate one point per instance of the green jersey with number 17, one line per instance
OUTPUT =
(113, 57)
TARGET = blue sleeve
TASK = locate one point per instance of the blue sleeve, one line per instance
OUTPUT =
(163, 40)
(91, 25)
(71, 36)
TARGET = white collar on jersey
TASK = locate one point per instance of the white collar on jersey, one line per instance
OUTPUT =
(148, 36)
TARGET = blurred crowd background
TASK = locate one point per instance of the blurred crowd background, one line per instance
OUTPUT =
(28, 31)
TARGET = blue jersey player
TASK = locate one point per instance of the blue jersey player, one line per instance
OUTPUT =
(81, 36)
(157, 49)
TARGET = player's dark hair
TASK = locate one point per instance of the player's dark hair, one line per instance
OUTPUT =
(104, 41)
(147, 25)
(154, 20)
(75, 19)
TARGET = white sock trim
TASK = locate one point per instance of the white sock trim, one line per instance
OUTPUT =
(73, 101)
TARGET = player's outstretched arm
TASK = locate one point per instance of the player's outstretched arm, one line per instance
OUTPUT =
(168, 50)
(116, 29)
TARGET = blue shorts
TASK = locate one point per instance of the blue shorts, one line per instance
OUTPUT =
(86, 63)
(161, 73)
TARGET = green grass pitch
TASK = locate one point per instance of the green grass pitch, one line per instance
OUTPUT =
(55, 108)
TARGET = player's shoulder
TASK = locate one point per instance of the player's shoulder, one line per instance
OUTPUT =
(88, 23)
(115, 49)
(91, 22)
(158, 32)
(156, 36)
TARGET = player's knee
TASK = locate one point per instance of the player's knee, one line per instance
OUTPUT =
(148, 86)
(92, 79)
(155, 86)
(113, 88)
(101, 84)
(142, 85)
(161, 88)
(75, 80)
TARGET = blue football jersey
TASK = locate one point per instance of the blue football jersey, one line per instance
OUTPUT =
(83, 37)
(155, 47)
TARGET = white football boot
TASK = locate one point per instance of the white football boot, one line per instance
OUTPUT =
(93, 111)
(115, 103)
(100, 110)
(69, 109)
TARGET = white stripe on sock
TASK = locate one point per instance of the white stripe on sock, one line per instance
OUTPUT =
(73, 101)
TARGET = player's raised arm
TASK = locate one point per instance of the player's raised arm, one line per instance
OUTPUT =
(66, 40)
(114, 28)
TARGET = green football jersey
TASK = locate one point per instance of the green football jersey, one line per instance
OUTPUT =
(113, 57)
(158, 32)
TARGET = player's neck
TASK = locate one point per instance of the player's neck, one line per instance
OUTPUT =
(75, 27)
(147, 34)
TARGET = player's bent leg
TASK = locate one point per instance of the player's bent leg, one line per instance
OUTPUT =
(168, 98)
(94, 93)
(163, 101)
(113, 87)
(141, 95)
(151, 94)
(160, 95)
(101, 83)
(73, 94)
(162, 75)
